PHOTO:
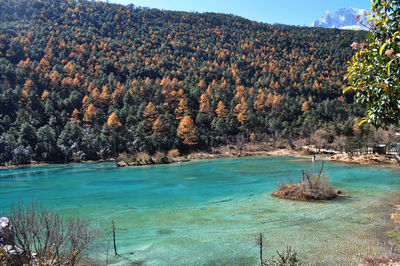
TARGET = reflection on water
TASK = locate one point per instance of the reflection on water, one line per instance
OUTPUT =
(208, 212)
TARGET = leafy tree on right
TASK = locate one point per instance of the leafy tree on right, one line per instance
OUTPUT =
(374, 72)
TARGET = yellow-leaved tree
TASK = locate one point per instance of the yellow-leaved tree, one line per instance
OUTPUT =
(187, 131)
(205, 106)
(221, 111)
(113, 124)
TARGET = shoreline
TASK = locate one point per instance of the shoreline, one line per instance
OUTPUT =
(34, 164)
(249, 150)
(364, 159)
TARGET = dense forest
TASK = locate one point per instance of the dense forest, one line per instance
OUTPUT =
(78, 77)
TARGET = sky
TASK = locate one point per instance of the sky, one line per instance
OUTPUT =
(293, 12)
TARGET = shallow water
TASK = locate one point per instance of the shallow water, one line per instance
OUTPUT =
(208, 212)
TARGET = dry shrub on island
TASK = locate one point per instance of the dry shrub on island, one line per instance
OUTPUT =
(45, 238)
(311, 187)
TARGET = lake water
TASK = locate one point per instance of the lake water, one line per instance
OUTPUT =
(209, 212)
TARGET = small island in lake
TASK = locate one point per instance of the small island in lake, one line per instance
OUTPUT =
(311, 187)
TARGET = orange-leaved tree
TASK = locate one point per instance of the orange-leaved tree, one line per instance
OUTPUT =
(113, 122)
(205, 106)
(305, 107)
(221, 111)
(90, 115)
(158, 127)
(75, 116)
(113, 125)
(241, 112)
(150, 113)
(259, 104)
(182, 109)
(187, 131)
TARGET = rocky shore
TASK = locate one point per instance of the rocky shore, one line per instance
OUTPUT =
(363, 159)
(227, 151)
(252, 149)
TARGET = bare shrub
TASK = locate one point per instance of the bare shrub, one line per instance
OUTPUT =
(339, 142)
(288, 258)
(381, 136)
(43, 236)
(173, 154)
(142, 158)
(300, 143)
(320, 139)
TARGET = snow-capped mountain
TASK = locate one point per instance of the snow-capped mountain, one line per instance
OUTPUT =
(344, 18)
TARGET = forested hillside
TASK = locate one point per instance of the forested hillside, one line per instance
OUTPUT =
(77, 75)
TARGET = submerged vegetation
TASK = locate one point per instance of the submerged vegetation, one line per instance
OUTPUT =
(84, 80)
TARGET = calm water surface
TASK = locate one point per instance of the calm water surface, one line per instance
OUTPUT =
(208, 212)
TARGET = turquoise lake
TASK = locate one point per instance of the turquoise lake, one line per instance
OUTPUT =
(209, 212)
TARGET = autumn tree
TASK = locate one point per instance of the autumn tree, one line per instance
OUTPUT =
(187, 131)
(158, 127)
(118, 92)
(181, 110)
(69, 68)
(44, 96)
(241, 112)
(150, 113)
(305, 107)
(29, 85)
(95, 95)
(205, 106)
(259, 104)
(221, 111)
(75, 116)
(90, 115)
(113, 125)
(85, 102)
(104, 97)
